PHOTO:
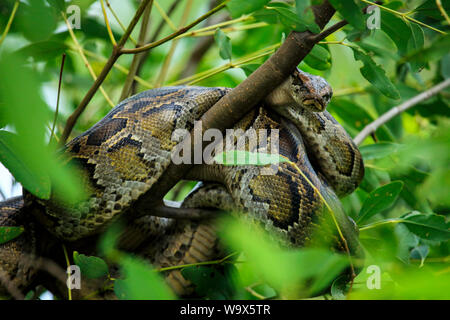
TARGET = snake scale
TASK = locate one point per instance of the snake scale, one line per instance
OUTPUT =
(127, 152)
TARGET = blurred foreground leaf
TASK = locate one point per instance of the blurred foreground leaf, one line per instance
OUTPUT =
(9, 233)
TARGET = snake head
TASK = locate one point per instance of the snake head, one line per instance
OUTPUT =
(312, 92)
(303, 90)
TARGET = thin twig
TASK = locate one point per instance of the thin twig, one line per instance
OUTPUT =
(373, 126)
(165, 17)
(52, 132)
(144, 56)
(118, 21)
(442, 10)
(85, 60)
(116, 65)
(108, 66)
(203, 263)
(330, 30)
(172, 212)
(175, 34)
(126, 90)
(11, 18)
(66, 256)
(403, 15)
(165, 67)
(108, 27)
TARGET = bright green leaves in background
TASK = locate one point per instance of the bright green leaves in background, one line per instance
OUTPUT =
(238, 7)
(224, 43)
(25, 152)
(375, 74)
(379, 200)
(293, 273)
(91, 267)
(351, 10)
(140, 282)
(37, 20)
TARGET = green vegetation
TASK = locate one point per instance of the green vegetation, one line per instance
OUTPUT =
(401, 207)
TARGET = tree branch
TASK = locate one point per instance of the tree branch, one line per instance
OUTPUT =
(109, 64)
(175, 34)
(233, 106)
(373, 126)
(136, 58)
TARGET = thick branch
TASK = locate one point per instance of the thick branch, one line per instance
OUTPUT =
(232, 107)
(373, 126)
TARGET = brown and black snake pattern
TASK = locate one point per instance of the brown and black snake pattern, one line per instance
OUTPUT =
(125, 153)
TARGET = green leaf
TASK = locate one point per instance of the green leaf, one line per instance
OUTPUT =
(379, 150)
(91, 267)
(420, 253)
(318, 58)
(339, 288)
(29, 116)
(18, 163)
(211, 281)
(241, 157)
(416, 43)
(429, 10)
(375, 74)
(238, 7)
(224, 43)
(355, 118)
(57, 4)
(9, 233)
(250, 68)
(37, 21)
(141, 282)
(288, 18)
(397, 29)
(351, 12)
(306, 15)
(435, 51)
(428, 226)
(379, 200)
(445, 66)
(43, 50)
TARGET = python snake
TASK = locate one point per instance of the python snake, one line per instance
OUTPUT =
(127, 152)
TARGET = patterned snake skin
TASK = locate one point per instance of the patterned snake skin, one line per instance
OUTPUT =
(125, 153)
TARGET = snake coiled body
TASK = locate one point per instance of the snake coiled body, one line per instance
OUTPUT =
(127, 152)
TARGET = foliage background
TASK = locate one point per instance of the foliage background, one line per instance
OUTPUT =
(404, 225)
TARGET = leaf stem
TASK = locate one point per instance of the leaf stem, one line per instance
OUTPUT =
(118, 20)
(403, 15)
(108, 27)
(166, 64)
(442, 10)
(52, 132)
(10, 20)
(373, 126)
(219, 261)
(66, 256)
(380, 223)
(165, 16)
